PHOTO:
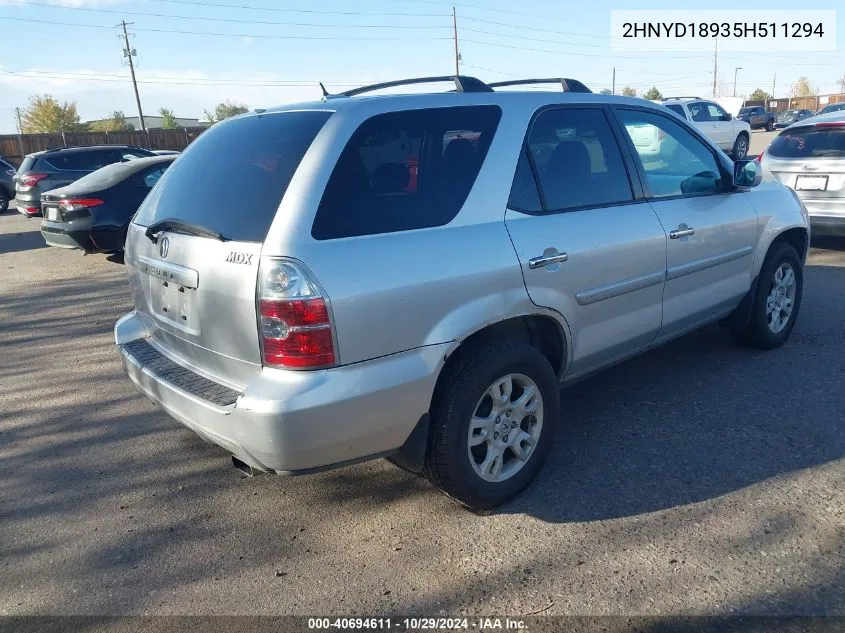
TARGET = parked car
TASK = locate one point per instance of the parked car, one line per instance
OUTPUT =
(298, 306)
(7, 185)
(730, 134)
(54, 168)
(788, 117)
(833, 107)
(809, 157)
(93, 213)
(758, 117)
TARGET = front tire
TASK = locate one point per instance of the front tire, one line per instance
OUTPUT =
(774, 311)
(493, 423)
(740, 148)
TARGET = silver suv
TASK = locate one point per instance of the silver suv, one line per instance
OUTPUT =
(415, 276)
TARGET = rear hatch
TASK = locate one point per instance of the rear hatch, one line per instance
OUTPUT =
(193, 248)
(811, 160)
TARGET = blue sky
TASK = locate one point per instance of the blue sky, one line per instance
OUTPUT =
(261, 52)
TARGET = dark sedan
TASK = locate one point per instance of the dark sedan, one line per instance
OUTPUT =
(93, 213)
(788, 117)
(7, 185)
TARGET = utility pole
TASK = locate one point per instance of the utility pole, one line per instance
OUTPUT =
(128, 53)
(457, 54)
(20, 132)
(715, 66)
(736, 70)
(842, 85)
(774, 79)
(613, 85)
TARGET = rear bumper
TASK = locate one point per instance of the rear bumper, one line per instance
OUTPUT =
(30, 208)
(293, 421)
(91, 240)
(827, 225)
(827, 215)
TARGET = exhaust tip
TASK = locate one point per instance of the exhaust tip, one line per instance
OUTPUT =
(245, 468)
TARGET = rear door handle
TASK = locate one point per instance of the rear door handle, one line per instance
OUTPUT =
(681, 231)
(547, 259)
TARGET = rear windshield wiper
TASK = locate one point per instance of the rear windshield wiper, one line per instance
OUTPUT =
(180, 226)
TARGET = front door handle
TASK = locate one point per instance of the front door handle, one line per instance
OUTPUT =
(682, 231)
(551, 256)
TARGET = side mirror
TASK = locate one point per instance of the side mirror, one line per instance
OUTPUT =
(747, 173)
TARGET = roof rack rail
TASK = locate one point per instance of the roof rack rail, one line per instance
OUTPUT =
(678, 98)
(463, 83)
(568, 85)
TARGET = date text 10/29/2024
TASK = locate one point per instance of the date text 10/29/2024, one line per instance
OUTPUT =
(417, 624)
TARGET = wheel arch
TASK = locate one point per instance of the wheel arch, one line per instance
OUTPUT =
(548, 332)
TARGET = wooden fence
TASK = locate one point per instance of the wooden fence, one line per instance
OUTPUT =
(13, 147)
(799, 103)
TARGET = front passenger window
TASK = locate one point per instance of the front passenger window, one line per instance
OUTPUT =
(677, 164)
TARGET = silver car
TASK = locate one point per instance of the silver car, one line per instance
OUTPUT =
(809, 157)
(415, 276)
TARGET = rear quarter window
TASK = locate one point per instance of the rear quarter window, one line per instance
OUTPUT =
(406, 170)
(233, 177)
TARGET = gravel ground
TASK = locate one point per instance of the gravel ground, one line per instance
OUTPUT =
(700, 478)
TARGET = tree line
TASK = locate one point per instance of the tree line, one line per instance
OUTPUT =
(45, 114)
(801, 88)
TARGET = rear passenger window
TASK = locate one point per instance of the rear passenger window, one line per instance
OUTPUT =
(81, 161)
(577, 160)
(406, 170)
(698, 112)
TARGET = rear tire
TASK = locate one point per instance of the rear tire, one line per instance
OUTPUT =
(483, 450)
(740, 148)
(770, 125)
(4, 202)
(774, 311)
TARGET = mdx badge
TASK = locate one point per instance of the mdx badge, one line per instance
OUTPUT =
(235, 257)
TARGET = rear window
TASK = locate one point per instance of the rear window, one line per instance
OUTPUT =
(232, 178)
(406, 170)
(81, 161)
(746, 110)
(810, 142)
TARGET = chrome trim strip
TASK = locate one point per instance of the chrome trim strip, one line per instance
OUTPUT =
(586, 297)
(708, 262)
(181, 275)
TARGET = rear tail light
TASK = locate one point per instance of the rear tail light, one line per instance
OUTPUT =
(295, 327)
(71, 204)
(30, 180)
(31, 210)
(759, 159)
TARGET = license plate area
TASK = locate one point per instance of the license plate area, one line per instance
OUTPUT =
(175, 303)
(52, 214)
(811, 183)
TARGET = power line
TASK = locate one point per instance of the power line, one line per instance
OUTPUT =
(314, 11)
(559, 52)
(532, 28)
(255, 35)
(464, 5)
(230, 20)
(173, 81)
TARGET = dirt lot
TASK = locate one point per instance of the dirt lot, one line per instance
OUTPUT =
(698, 478)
